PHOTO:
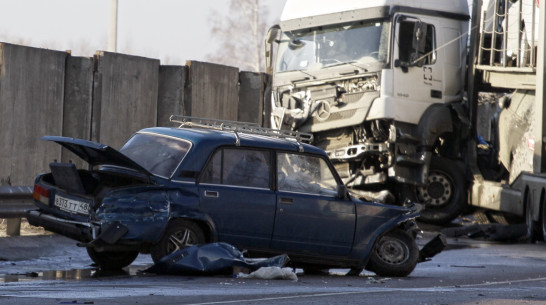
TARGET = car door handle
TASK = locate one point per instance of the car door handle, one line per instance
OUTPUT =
(212, 194)
(287, 200)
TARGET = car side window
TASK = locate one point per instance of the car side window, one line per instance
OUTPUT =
(305, 174)
(240, 167)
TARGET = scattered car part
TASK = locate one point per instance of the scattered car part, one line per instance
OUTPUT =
(211, 259)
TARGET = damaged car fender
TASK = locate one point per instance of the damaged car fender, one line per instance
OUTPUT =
(143, 210)
(146, 211)
(380, 219)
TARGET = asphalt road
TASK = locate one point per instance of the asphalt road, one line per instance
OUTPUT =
(52, 270)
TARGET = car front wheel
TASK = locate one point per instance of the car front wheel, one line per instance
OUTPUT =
(112, 260)
(395, 254)
(179, 235)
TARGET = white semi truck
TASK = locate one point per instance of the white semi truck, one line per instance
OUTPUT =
(402, 96)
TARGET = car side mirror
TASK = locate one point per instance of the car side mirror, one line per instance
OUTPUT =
(342, 192)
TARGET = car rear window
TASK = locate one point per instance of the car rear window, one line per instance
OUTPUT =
(159, 154)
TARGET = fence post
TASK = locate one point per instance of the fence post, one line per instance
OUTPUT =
(13, 227)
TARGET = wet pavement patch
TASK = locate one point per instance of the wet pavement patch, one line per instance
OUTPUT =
(74, 274)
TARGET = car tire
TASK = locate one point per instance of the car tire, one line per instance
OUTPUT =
(112, 260)
(179, 234)
(444, 195)
(394, 254)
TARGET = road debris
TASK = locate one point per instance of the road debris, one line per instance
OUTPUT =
(492, 232)
(433, 247)
(270, 273)
(212, 259)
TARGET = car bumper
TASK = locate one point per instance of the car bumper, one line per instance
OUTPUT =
(80, 231)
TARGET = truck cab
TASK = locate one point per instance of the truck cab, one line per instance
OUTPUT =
(380, 86)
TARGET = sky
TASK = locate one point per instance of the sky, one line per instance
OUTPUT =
(173, 31)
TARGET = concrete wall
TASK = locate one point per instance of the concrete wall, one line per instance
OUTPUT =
(31, 105)
(125, 91)
(78, 102)
(254, 97)
(106, 99)
(212, 91)
(172, 80)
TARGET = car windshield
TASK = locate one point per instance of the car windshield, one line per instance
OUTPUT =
(317, 48)
(158, 154)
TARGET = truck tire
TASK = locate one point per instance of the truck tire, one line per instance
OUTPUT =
(444, 195)
(179, 234)
(543, 218)
(112, 260)
(533, 231)
(394, 254)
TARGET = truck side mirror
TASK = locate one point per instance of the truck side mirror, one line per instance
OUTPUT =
(270, 37)
(272, 33)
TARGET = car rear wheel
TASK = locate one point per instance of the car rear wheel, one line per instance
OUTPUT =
(112, 260)
(179, 235)
(395, 254)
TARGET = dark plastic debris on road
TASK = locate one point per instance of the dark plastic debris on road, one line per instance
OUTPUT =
(212, 259)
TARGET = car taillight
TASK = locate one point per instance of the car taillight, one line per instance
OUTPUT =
(41, 194)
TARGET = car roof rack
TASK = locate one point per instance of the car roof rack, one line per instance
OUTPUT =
(241, 127)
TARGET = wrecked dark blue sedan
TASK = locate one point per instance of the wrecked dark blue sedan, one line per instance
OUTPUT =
(261, 190)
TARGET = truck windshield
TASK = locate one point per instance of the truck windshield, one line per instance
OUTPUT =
(317, 48)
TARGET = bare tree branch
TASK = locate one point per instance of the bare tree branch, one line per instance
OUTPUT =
(240, 35)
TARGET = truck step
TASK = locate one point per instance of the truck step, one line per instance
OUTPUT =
(409, 161)
(407, 138)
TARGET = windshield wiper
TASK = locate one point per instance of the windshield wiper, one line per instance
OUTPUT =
(352, 63)
(304, 79)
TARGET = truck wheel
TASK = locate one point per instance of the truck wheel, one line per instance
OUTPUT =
(543, 218)
(532, 226)
(444, 194)
(394, 254)
(112, 260)
(179, 235)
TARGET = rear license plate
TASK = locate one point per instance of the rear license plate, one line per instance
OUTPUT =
(71, 205)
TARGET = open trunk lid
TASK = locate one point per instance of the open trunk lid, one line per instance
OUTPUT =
(96, 153)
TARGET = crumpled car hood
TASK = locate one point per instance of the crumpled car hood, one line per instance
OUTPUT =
(96, 153)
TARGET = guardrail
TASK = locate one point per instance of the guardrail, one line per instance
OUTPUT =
(15, 201)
